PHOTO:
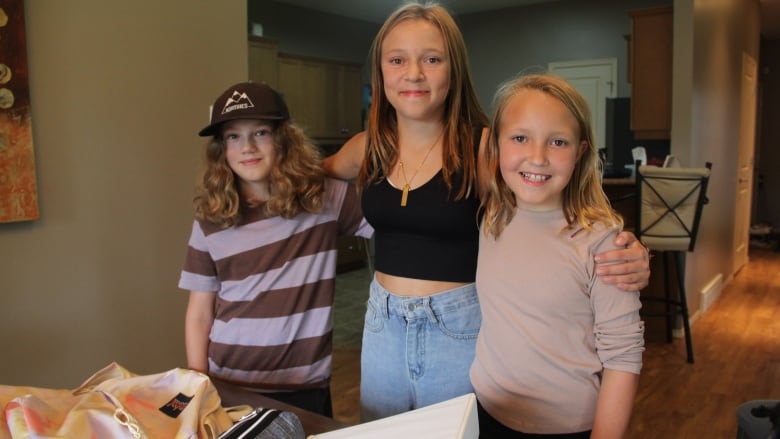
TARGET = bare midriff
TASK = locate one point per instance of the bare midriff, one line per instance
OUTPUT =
(404, 286)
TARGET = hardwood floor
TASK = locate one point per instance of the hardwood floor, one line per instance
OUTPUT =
(345, 384)
(737, 348)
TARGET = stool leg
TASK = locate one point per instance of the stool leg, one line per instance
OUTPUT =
(684, 304)
(669, 307)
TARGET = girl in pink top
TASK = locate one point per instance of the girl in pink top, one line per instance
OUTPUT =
(560, 350)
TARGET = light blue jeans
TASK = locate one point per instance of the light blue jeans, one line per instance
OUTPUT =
(416, 351)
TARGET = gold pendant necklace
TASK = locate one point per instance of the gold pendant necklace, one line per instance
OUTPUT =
(407, 186)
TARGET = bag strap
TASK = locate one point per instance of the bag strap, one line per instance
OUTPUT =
(123, 417)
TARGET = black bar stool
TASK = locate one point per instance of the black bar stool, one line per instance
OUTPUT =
(669, 207)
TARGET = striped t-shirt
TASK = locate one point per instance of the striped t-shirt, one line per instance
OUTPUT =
(275, 282)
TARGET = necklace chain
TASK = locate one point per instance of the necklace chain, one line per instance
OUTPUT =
(408, 181)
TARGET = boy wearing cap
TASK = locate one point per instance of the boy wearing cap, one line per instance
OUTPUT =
(261, 259)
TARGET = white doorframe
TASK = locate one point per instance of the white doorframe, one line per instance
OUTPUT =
(596, 80)
(745, 157)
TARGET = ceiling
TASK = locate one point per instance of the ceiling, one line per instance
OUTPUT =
(376, 11)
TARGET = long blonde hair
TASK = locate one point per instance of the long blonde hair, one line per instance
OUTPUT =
(584, 201)
(297, 180)
(463, 113)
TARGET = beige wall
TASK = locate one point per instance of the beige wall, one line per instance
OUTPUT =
(118, 91)
(710, 38)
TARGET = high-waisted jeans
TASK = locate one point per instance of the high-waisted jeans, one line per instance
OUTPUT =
(416, 351)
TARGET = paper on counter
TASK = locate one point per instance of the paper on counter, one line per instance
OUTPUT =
(640, 154)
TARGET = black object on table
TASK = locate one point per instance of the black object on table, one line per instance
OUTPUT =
(313, 423)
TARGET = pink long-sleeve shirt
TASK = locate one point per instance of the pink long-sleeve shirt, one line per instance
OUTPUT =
(549, 324)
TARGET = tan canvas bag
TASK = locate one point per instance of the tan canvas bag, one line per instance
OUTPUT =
(115, 403)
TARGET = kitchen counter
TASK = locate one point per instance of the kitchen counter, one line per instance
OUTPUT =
(618, 181)
(620, 192)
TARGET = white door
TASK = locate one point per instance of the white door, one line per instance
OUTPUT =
(747, 139)
(596, 80)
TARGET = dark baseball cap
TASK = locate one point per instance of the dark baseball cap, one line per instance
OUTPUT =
(246, 100)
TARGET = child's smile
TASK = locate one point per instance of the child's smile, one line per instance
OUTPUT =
(535, 178)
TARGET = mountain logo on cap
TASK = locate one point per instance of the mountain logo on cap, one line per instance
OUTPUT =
(238, 101)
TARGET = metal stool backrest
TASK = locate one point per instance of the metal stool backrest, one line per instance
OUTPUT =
(669, 205)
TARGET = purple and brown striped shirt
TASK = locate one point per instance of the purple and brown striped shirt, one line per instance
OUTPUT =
(275, 282)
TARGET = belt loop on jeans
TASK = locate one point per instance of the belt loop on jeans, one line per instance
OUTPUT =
(384, 296)
(429, 309)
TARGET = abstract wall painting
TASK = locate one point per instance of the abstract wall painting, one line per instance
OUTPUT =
(18, 186)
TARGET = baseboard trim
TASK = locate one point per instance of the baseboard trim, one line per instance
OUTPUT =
(711, 292)
(708, 295)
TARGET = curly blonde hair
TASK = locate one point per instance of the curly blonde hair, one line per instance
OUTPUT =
(297, 182)
(462, 110)
(584, 201)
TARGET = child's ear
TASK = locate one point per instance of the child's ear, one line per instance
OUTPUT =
(583, 147)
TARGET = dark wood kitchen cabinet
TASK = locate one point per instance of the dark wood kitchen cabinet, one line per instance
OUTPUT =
(352, 253)
(324, 96)
(263, 54)
(650, 66)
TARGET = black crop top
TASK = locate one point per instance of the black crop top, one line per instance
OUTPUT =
(434, 237)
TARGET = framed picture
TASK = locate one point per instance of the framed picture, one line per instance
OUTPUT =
(18, 186)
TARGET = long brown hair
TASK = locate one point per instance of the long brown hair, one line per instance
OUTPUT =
(462, 114)
(297, 182)
(584, 201)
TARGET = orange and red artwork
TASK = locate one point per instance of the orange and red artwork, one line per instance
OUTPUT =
(18, 187)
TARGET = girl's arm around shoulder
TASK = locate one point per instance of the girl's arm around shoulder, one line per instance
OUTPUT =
(197, 327)
(628, 266)
(614, 405)
(346, 162)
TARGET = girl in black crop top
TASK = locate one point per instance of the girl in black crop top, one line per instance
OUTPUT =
(448, 224)
(417, 171)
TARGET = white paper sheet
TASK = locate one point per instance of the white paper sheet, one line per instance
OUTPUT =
(452, 419)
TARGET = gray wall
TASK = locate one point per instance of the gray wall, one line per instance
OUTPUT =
(504, 43)
(710, 39)
(500, 43)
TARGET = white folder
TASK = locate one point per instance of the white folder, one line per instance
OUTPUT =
(452, 419)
